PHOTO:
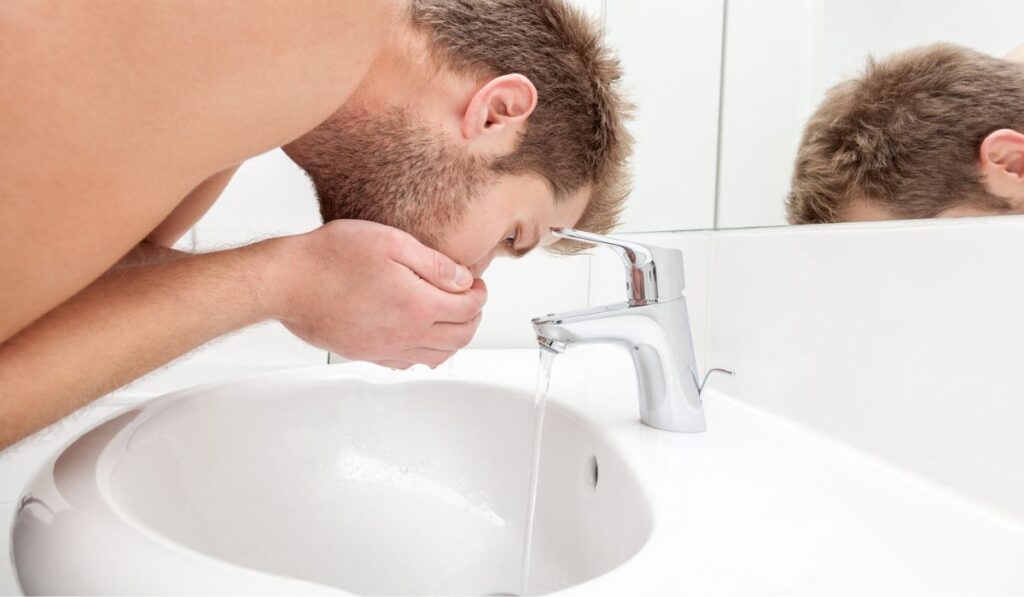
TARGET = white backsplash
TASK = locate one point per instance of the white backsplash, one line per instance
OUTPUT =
(900, 339)
(520, 289)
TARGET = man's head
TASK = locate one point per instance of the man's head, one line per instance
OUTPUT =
(934, 131)
(479, 126)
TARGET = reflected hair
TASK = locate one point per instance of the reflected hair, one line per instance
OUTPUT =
(905, 135)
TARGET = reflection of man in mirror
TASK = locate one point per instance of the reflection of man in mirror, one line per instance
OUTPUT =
(931, 132)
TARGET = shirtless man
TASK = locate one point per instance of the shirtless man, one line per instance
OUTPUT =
(932, 132)
(438, 135)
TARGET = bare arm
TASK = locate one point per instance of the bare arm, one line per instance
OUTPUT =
(191, 209)
(112, 111)
(129, 322)
(360, 289)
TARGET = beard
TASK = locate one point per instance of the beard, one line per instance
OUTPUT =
(389, 169)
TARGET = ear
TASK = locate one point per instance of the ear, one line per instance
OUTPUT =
(1002, 163)
(497, 112)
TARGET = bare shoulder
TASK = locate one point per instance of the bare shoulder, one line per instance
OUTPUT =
(112, 111)
(185, 68)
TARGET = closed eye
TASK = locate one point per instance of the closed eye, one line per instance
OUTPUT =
(509, 245)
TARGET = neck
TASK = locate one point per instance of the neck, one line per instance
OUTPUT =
(404, 75)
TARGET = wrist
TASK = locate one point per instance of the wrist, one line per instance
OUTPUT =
(275, 269)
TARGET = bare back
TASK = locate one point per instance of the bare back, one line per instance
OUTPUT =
(112, 112)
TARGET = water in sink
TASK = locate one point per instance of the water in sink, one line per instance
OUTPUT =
(539, 404)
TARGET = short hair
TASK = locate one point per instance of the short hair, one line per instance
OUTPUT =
(576, 136)
(905, 135)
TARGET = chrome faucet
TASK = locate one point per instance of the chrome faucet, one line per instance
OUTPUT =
(653, 325)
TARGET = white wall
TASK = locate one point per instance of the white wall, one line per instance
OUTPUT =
(671, 54)
(901, 339)
(781, 56)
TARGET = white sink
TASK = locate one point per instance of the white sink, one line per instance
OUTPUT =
(357, 479)
(315, 480)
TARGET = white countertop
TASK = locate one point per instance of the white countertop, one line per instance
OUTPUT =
(760, 506)
(754, 506)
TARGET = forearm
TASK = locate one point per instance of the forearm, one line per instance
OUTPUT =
(147, 253)
(127, 323)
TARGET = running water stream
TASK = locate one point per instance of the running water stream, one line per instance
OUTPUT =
(539, 406)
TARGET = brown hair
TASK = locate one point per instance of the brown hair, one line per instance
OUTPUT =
(905, 135)
(576, 136)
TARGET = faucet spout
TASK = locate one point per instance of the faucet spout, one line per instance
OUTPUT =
(653, 325)
(657, 336)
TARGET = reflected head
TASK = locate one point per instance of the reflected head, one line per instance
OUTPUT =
(930, 132)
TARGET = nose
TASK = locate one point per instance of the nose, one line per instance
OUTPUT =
(482, 264)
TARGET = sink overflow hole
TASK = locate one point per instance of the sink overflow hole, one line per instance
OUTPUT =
(593, 472)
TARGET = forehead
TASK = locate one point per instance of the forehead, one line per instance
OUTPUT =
(861, 209)
(529, 194)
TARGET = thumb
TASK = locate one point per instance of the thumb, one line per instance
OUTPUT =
(434, 267)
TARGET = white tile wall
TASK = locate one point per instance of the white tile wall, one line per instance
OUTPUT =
(902, 339)
(268, 196)
(521, 289)
(671, 56)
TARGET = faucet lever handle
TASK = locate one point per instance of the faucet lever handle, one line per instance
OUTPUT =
(652, 273)
(704, 382)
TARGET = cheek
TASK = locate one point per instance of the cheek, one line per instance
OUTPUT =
(472, 241)
(486, 221)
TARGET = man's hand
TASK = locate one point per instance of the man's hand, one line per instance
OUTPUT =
(374, 293)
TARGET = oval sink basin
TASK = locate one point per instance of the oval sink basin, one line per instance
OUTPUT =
(318, 480)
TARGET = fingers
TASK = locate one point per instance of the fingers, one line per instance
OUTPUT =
(392, 364)
(460, 308)
(416, 356)
(451, 336)
(427, 356)
(441, 342)
(433, 266)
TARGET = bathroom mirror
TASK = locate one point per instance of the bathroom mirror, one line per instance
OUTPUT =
(780, 58)
(724, 88)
